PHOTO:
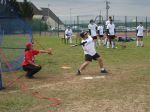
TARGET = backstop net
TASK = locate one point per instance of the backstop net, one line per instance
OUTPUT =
(14, 33)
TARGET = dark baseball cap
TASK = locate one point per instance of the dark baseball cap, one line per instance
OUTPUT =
(82, 34)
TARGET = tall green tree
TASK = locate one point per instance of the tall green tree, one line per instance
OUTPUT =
(24, 9)
(15, 4)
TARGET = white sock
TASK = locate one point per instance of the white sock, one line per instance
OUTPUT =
(113, 44)
(142, 44)
(102, 69)
(99, 42)
(70, 40)
(103, 41)
(108, 44)
(137, 43)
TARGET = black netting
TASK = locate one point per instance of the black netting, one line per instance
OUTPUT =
(14, 33)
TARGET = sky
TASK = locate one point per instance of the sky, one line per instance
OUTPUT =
(63, 8)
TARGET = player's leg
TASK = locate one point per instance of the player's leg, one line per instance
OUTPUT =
(70, 40)
(67, 39)
(82, 67)
(99, 40)
(108, 41)
(100, 62)
(103, 40)
(36, 69)
(113, 41)
(138, 42)
(88, 59)
(141, 42)
(31, 70)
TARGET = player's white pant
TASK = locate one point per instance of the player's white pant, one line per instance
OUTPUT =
(113, 44)
(99, 42)
(69, 38)
(108, 44)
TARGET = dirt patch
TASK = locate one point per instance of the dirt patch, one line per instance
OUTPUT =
(115, 93)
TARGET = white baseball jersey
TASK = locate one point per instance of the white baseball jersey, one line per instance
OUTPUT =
(107, 22)
(101, 30)
(92, 27)
(111, 28)
(68, 32)
(89, 47)
(140, 30)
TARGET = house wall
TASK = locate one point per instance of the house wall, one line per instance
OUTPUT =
(50, 22)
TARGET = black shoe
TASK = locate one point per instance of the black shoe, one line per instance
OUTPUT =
(78, 72)
(104, 71)
(30, 77)
(2, 88)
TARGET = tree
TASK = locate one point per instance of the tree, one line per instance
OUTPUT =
(24, 9)
(15, 4)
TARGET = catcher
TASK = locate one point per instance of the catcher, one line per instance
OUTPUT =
(28, 63)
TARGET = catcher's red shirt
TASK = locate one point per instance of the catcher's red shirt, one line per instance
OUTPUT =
(29, 56)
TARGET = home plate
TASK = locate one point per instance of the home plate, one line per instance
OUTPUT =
(90, 78)
(99, 77)
(66, 67)
(87, 78)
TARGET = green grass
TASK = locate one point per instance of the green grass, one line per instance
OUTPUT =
(125, 89)
(13, 41)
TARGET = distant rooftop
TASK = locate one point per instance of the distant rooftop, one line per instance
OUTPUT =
(45, 12)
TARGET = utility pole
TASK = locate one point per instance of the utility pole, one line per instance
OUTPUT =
(48, 10)
(100, 16)
(107, 8)
(70, 16)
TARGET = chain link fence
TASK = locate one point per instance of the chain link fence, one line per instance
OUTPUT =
(125, 25)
